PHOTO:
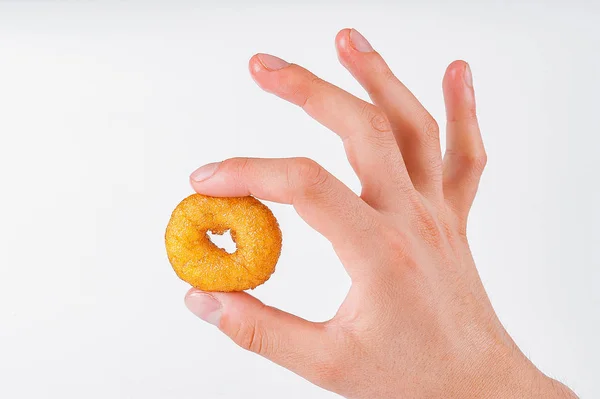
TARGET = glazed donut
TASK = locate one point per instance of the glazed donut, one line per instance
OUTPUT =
(198, 261)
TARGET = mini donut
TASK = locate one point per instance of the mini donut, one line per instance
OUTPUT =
(198, 261)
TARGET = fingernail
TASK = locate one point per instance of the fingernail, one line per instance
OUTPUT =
(468, 76)
(204, 172)
(271, 62)
(205, 306)
(359, 42)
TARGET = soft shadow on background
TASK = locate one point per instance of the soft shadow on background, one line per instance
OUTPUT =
(106, 109)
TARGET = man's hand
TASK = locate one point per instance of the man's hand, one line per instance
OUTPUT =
(417, 322)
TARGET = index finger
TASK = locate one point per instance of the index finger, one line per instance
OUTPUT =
(324, 202)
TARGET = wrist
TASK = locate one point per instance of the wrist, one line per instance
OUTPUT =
(512, 375)
(559, 390)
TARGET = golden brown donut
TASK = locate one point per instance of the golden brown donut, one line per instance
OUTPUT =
(207, 267)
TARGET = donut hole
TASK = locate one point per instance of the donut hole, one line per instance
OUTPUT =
(223, 240)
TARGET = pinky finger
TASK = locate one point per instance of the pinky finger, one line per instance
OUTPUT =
(465, 156)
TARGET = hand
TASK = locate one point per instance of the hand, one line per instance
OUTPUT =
(417, 322)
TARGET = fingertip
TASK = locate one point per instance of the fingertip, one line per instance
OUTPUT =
(254, 65)
(270, 62)
(342, 39)
(458, 90)
(204, 172)
(269, 71)
(255, 68)
(204, 305)
(458, 77)
(457, 64)
(190, 292)
(351, 43)
(342, 45)
(218, 185)
(455, 71)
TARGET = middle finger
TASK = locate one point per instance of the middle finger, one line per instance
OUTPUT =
(364, 129)
(416, 131)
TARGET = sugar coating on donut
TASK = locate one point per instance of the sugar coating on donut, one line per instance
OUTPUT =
(198, 261)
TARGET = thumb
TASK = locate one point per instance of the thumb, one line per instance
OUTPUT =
(294, 343)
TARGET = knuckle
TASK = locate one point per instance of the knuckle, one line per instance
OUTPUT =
(251, 336)
(380, 130)
(309, 175)
(379, 123)
(314, 85)
(396, 241)
(427, 225)
(478, 163)
(239, 166)
(469, 117)
(317, 83)
(473, 163)
(377, 120)
(305, 90)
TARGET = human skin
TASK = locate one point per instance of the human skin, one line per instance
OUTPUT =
(417, 322)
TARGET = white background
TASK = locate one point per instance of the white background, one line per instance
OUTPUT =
(105, 109)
